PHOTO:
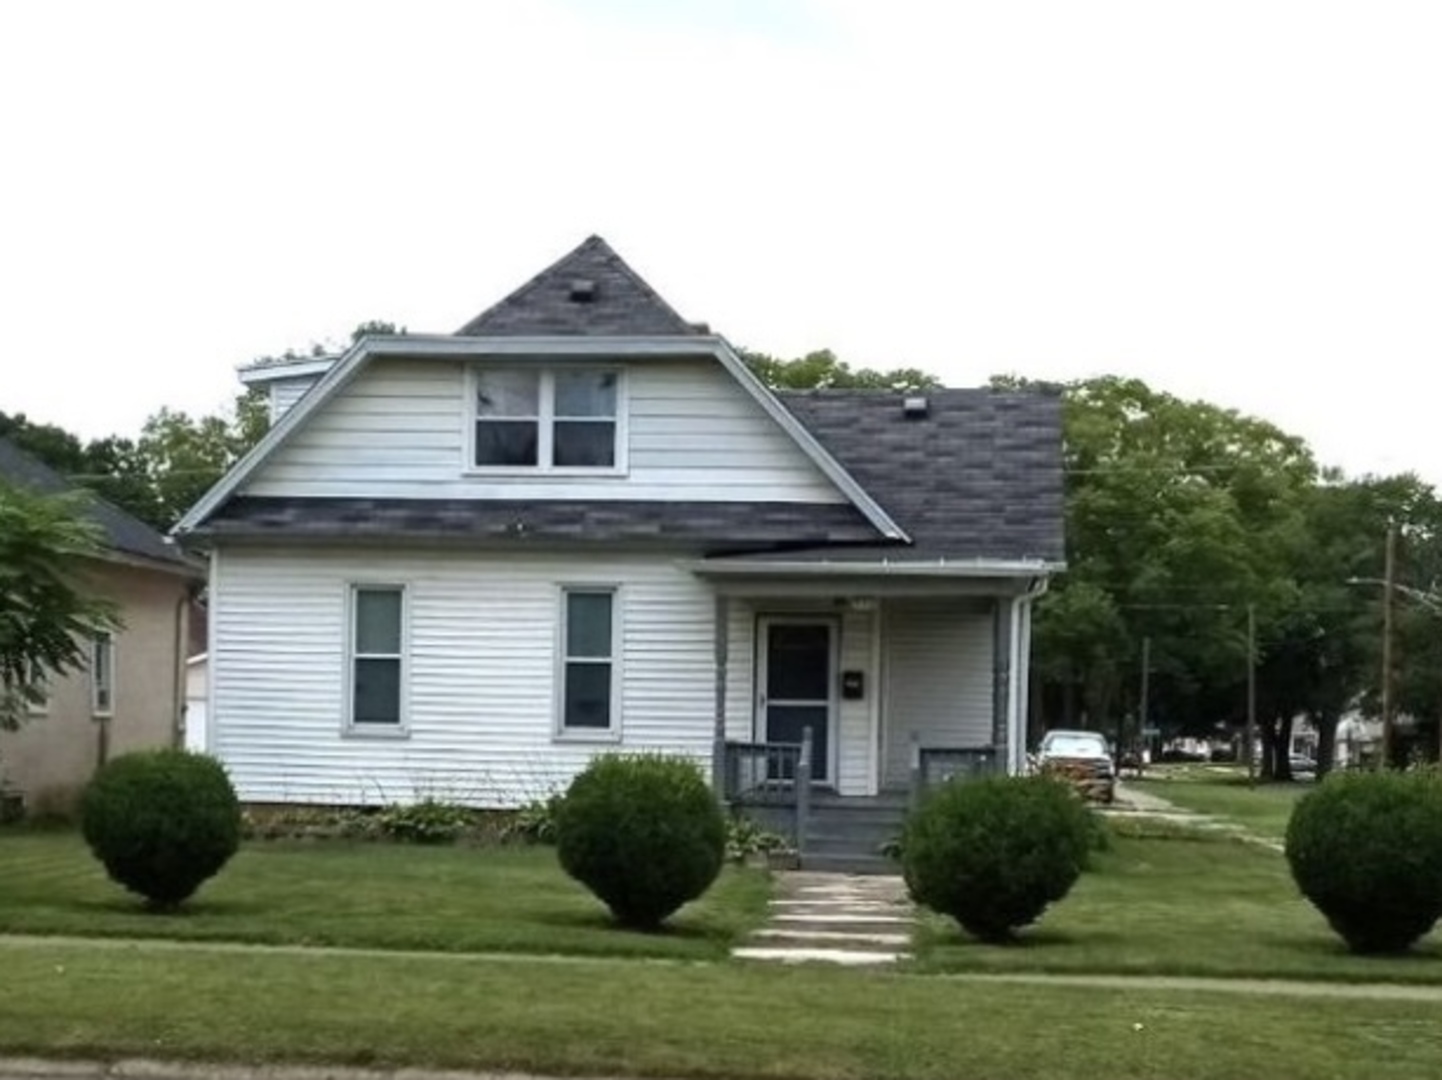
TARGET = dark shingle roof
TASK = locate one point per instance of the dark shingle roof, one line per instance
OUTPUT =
(556, 301)
(708, 526)
(122, 533)
(978, 477)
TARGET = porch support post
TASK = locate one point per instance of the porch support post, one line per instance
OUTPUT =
(722, 651)
(1015, 732)
(1001, 651)
(1023, 680)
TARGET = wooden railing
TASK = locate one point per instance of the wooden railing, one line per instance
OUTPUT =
(771, 776)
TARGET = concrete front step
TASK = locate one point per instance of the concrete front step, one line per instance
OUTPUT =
(852, 863)
(776, 935)
(844, 957)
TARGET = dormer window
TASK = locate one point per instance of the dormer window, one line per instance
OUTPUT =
(530, 418)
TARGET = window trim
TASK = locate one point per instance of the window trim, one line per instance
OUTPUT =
(560, 732)
(106, 711)
(371, 729)
(546, 424)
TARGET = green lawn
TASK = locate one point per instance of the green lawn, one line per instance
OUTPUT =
(385, 896)
(1207, 906)
(618, 1018)
(1264, 809)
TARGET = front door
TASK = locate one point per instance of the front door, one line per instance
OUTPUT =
(796, 681)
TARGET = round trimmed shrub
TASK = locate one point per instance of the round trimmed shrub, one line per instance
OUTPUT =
(1366, 850)
(993, 853)
(645, 834)
(162, 822)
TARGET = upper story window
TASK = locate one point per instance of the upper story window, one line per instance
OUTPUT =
(547, 419)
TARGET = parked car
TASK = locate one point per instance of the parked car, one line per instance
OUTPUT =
(1303, 766)
(1083, 758)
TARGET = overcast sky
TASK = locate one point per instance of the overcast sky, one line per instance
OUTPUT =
(1239, 201)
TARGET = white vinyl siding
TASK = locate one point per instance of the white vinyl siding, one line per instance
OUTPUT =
(937, 658)
(482, 653)
(402, 429)
(284, 393)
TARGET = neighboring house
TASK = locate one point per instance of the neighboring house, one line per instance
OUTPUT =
(460, 565)
(131, 693)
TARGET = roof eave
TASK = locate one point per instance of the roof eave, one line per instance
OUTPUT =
(934, 568)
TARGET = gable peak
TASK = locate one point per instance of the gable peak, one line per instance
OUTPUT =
(591, 291)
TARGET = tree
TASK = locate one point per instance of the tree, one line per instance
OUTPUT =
(1178, 517)
(46, 614)
(822, 370)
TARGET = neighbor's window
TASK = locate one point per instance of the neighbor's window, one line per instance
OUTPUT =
(532, 418)
(102, 674)
(377, 655)
(588, 660)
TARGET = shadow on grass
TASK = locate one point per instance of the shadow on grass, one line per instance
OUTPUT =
(602, 920)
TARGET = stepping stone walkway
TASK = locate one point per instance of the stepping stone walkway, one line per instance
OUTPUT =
(847, 919)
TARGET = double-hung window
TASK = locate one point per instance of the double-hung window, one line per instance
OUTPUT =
(102, 674)
(532, 418)
(588, 661)
(377, 657)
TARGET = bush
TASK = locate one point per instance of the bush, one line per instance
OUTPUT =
(535, 823)
(645, 834)
(1366, 850)
(162, 822)
(746, 839)
(429, 821)
(993, 853)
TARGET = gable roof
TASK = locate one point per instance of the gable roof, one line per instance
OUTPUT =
(977, 477)
(122, 533)
(590, 291)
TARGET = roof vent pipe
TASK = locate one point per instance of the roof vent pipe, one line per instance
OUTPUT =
(915, 407)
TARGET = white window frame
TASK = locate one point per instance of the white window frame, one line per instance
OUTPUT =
(611, 734)
(546, 423)
(371, 729)
(106, 640)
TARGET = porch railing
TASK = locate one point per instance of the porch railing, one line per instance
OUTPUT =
(932, 766)
(772, 778)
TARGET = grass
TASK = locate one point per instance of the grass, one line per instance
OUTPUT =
(617, 1018)
(380, 896)
(1264, 809)
(1200, 906)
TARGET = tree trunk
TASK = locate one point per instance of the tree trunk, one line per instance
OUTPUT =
(1326, 725)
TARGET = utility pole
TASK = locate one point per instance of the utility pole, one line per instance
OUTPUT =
(1388, 589)
(1146, 693)
(1251, 694)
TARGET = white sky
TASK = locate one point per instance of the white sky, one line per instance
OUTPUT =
(1240, 201)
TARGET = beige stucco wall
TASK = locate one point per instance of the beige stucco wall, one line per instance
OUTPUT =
(53, 754)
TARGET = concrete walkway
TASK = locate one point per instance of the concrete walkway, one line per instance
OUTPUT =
(1130, 801)
(845, 919)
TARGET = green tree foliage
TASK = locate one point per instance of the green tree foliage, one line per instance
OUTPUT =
(157, 476)
(46, 613)
(821, 370)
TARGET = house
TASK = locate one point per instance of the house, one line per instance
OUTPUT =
(131, 694)
(460, 565)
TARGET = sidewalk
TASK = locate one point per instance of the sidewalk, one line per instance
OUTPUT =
(1130, 800)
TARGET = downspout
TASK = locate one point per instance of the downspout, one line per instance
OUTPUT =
(182, 622)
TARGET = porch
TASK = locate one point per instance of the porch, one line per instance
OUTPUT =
(841, 695)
